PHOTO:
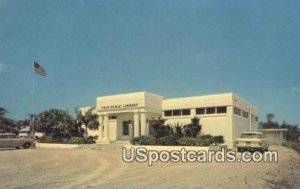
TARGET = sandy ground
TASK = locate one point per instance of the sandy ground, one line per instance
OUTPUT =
(88, 168)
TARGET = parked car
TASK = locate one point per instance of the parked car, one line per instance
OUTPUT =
(252, 141)
(11, 140)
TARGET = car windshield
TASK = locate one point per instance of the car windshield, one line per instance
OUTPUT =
(251, 135)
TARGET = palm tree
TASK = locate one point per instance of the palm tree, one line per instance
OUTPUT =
(88, 119)
(270, 117)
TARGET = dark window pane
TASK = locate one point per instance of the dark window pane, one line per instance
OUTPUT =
(245, 114)
(176, 112)
(168, 113)
(186, 112)
(3, 136)
(211, 110)
(222, 110)
(200, 111)
(112, 117)
(256, 118)
(237, 111)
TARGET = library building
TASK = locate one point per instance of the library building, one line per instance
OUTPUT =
(124, 116)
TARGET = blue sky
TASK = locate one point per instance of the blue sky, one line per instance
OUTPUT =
(172, 48)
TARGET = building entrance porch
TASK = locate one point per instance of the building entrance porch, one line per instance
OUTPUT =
(122, 126)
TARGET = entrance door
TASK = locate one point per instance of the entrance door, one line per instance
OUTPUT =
(125, 128)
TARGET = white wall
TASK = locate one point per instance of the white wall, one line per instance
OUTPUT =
(229, 125)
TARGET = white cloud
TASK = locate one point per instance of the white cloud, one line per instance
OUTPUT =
(2, 67)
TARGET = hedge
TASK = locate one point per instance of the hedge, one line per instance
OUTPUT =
(144, 140)
(71, 140)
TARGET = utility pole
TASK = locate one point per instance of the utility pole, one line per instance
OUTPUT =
(250, 118)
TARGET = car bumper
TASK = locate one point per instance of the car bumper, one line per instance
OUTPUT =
(249, 148)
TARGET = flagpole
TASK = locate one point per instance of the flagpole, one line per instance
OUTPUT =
(33, 109)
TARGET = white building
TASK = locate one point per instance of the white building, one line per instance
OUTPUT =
(125, 116)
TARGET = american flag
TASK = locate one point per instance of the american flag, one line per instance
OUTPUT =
(38, 69)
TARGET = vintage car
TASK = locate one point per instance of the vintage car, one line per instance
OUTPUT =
(25, 132)
(252, 141)
(10, 140)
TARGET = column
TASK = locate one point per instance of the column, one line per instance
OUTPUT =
(144, 124)
(100, 129)
(106, 129)
(136, 124)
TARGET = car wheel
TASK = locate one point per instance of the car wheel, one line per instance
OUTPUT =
(18, 147)
(26, 145)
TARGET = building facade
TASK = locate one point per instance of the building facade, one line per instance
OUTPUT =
(125, 116)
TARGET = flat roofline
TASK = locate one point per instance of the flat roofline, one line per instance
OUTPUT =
(129, 93)
(272, 130)
(206, 95)
(251, 132)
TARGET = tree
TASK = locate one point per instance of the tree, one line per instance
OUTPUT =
(292, 134)
(270, 117)
(270, 124)
(88, 119)
(57, 123)
(2, 112)
(7, 124)
(193, 129)
(159, 129)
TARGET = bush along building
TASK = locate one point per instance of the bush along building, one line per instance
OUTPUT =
(125, 116)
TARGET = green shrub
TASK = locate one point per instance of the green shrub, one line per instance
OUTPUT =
(193, 129)
(72, 140)
(205, 140)
(76, 140)
(168, 141)
(162, 131)
(144, 140)
(91, 139)
(47, 139)
(177, 130)
(187, 141)
(218, 139)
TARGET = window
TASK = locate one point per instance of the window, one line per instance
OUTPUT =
(12, 136)
(252, 118)
(125, 128)
(256, 118)
(200, 111)
(245, 114)
(186, 112)
(3, 136)
(112, 117)
(168, 113)
(211, 110)
(237, 111)
(222, 110)
(176, 112)
(251, 135)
